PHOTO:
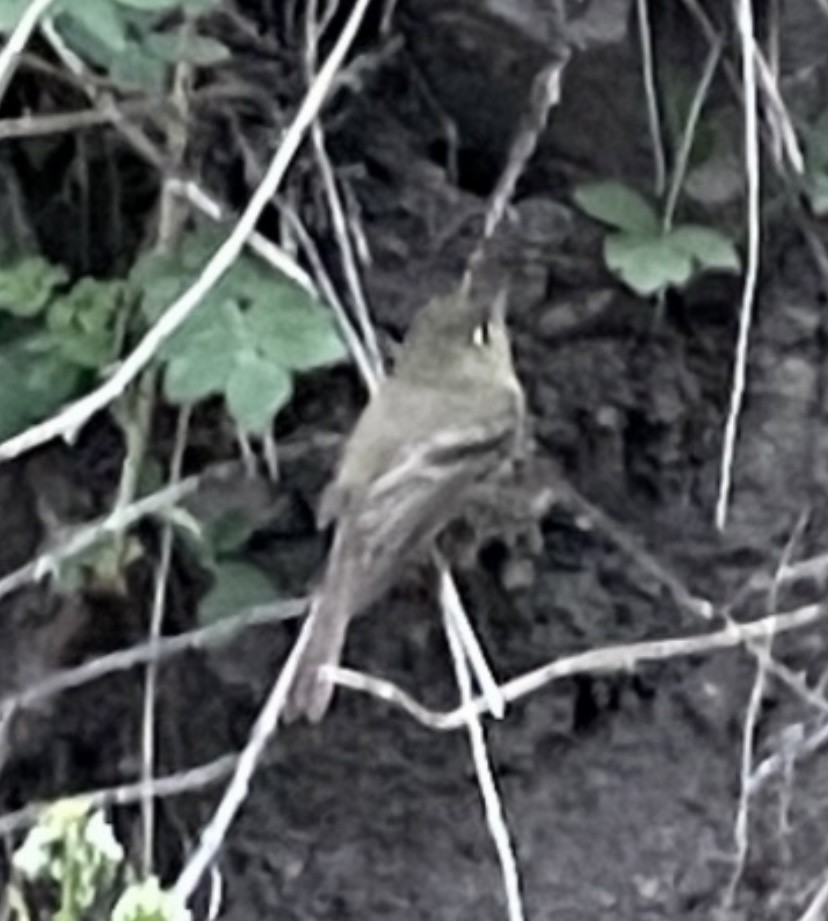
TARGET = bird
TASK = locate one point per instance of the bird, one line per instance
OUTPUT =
(449, 415)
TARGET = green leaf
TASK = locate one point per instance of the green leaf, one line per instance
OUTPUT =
(203, 353)
(256, 391)
(816, 150)
(136, 68)
(10, 13)
(27, 286)
(83, 321)
(230, 532)
(149, 6)
(647, 264)
(238, 585)
(34, 381)
(184, 45)
(196, 7)
(292, 330)
(818, 194)
(707, 247)
(99, 19)
(618, 206)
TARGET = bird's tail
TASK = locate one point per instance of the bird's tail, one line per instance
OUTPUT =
(311, 693)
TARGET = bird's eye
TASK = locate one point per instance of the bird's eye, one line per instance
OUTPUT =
(481, 335)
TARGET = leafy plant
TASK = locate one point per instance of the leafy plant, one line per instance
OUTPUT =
(816, 161)
(73, 848)
(644, 254)
(245, 342)
(54, 335)
(134, 41)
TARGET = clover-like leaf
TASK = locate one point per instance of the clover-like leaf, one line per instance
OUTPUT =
(647, 264)
(187, 46)
(291, 328)
(10, 13)
(34, 381)
(149, 6)
(95, 27)
(707, 247)
(203, 353)
(256, 391)
(238, 585)
(618, 206)
(83, 321)
(27, 286)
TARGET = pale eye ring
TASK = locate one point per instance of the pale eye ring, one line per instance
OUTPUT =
(481, 335)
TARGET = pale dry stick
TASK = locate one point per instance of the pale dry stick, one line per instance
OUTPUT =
(337, 212)
(751, 135)
(32, 126)
(645, 39)
(18, 39)
(822, 5)
(791, 752)
(151, 680)
(147, 651)
(263, 732)
(343, 239)
(689, 134)
(740, 831)
(545, 94)
(607, 660)
(358, 352)
(189, 781)
(495, 817)
(114, 523)
(818, 906)
(69, 420)
(776, 106)
(455, 613)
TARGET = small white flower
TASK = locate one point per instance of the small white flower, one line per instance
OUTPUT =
(99, 836)
(147, 901)
(31, 859)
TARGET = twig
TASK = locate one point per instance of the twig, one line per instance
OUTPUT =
(746, 32)
(495, 818)
(18, 40)
(112, 524)
(741, 831)
(262, 733)
(689, 134)
(816, 909)
(645, 38)
(454, 613)
(152, 651)
(546, 91)
(606, 660)
(151, 681)
(68, 420)
(189, 781)
(31, 126)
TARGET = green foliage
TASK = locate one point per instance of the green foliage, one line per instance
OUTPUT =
(147, 901)
(136, 42)
(643, 254)
(73, 849)
(816, 161)
(218, 546)
(245, 341)
(52, 337)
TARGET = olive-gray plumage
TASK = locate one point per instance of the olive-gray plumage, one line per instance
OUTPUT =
(448, 416)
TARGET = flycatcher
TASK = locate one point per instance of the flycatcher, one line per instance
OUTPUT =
(450, 415)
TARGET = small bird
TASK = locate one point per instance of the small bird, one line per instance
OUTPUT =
(450, 414)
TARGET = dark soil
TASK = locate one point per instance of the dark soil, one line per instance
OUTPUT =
(621, 793)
